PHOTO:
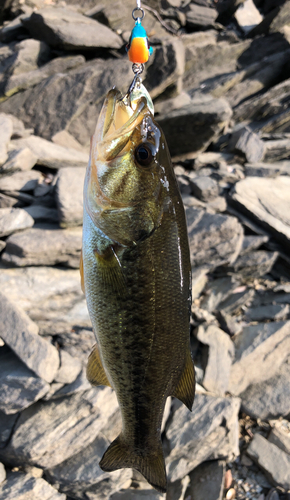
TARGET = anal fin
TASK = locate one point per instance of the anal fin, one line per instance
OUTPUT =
(185, 389)
(151, 465)
(96, 374)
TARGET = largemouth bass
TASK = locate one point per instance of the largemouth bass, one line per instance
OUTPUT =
(136, 275)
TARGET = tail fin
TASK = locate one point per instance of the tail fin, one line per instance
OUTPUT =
(151, 466)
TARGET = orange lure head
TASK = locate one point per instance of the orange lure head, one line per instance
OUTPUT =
(138, 47)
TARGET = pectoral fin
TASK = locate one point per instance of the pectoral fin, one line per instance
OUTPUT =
(96, 374)
(110, 269)
(185, 389)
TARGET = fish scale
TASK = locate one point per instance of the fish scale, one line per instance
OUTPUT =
(136, 275)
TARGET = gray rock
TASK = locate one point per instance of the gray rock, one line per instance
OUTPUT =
(7, 423)
(166, 68)
(199, 17)
(214, 239)
(21, 335)
(276, 149)
(27, 56)
(69, 368)
(52, 155)
(38, 247)
(20, 387)
(196, 436)
(207, 481)
(81, 384)
(6, 128)
(14, 29)
(248, 16)
(274, 312)
(228, 323)
(274, 462)
(27, 487)
(217, 291)
(220, 356)
(280, 438)
(2, 473)
(19, 159)
(193, 127)
(247, 142)
(14, 219)
(133, 494)
(204, 188)
(20, 181)
(52, 297)
(22, 81)
(267, 201)
(273, 22)
(237, 300)
(251, 243)
(7, 201)
(70, 180)
(65, 139)
(82, 472)
(199, 279)
(267, 169)
(267, 110)
(257, 348)
(49, 433)
(69, 101)
(271, 398)
(41, 213)
(65, 28)
(2, 245)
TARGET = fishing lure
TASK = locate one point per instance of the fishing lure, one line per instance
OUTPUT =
(138, 47)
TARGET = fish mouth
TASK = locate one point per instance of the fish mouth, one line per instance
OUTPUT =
(119, 118)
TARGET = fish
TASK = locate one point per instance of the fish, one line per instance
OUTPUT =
(136, 276)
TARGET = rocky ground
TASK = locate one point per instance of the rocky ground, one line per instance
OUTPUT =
(220, 79)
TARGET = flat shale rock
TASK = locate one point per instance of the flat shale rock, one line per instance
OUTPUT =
(2, 473)
(273, 22)
(69, 368)
(21, 335)
(204, 188)
(193, 127)
(52, 155)
(19, 159)
(26, 487)
(272, 460)
(38, 247)
(247, 142)
(69, 101)
(14, 219)
(50, 432)
(70, 180)
(269, 399)
(81, 472)
(267, 169)
(267, 201)
(22, 81)
(248, 16)
(210, 431)
(20, 387)
(65, 28)
(200, 17)
(6, 427)
(166, 68)
(6, 128)
(207, 481)
(254, 264)
(220, 357)
(273, 312)
(214, 239)
(280, 438)
(257, 349)
(20, 181)
(216, 292)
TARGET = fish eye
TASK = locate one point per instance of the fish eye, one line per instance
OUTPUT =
(144, 155)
